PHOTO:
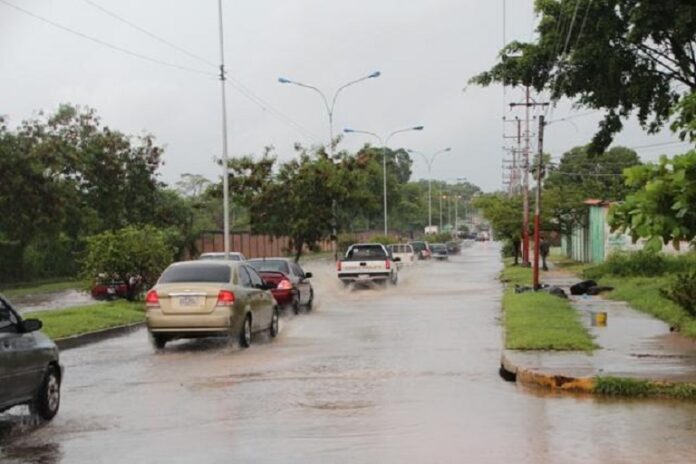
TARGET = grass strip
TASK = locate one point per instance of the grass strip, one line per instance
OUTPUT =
(516, 275)
(67, 322)
(643, 294)
(540, 321)
(47, 287)
(619, 386)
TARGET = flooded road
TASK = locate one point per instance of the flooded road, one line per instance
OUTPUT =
(53, 300)
(395, 375)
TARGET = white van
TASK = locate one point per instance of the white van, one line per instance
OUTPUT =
(403, 251)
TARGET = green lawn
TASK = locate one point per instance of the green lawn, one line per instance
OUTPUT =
(539, 321)
(643, 294)
(73, 321)
(617, 386)
(46, 287)
(515, 274)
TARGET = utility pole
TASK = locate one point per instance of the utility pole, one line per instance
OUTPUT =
(225, 173)
(537, 206)
(528, 103)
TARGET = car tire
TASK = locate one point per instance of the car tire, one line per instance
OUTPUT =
(158, 341)
(274, 328)
(310, 302)
(296, 305)
(245, 334)
(47, 400)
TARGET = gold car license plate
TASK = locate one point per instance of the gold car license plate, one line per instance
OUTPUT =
(188, 301)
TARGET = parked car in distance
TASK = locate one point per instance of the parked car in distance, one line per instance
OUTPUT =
(204, 298)
(453, 247)
(109, 289)
(439, 251)
(292, 286)
(234, 256)
(30, 370)
(368, 262)
(483, 236)
(422, 249)
(403, 251)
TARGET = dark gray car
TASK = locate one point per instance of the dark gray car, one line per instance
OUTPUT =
(30, 372)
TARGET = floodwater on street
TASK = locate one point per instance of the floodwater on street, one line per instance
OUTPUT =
(53, 300)
(405, 374)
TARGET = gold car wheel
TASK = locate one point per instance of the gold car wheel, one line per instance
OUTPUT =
(245, 338)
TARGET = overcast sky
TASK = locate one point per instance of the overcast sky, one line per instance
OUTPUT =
(426, 51)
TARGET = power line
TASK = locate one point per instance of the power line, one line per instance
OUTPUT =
(246, 92)
(658, 145)
(106, 44)
(149, 34)
(235, 83)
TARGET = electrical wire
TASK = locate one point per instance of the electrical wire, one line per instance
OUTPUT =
(106, 44)
(236, 84)
(150, 34)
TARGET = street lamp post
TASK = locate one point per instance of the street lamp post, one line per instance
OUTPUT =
(429, 163)
(330, 107)
(384, 142)
(441, 198)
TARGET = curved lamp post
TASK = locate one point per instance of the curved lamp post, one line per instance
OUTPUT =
(330, 112)
(429, 162)
(384, 142)
(332, 105)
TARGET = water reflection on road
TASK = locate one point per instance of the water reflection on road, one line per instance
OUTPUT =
(390, 375)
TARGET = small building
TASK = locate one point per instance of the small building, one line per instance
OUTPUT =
(592, 241)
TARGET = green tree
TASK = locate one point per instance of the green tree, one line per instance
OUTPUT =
(580, 176)
(662, 209)
(504, 213)
(621, 56)
(131, 251)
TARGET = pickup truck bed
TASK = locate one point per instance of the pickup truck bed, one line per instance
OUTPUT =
(367, 262)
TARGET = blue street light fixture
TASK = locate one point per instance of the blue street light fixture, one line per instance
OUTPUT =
(384, 142)
(330, 111)
(330, 106)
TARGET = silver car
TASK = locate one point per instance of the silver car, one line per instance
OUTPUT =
(30, 371)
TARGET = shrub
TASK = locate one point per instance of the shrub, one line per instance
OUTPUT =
(508, 250)
(384, 239)
(345, 240)
(683, 292)
(441, 237)
(642, 263)
(133, 251)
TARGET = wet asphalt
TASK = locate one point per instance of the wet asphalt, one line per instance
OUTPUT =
(405, 374)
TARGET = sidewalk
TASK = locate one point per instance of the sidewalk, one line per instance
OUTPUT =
(632, 345)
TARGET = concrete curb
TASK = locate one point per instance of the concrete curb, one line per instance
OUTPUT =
(534, 378)
(93, 337)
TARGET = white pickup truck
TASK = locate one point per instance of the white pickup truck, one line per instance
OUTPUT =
(368, 262)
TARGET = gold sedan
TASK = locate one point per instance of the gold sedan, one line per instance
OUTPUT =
(194, 299)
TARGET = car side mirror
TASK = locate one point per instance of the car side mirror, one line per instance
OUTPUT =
(397, 259)
(31, 325)
(308, 275)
